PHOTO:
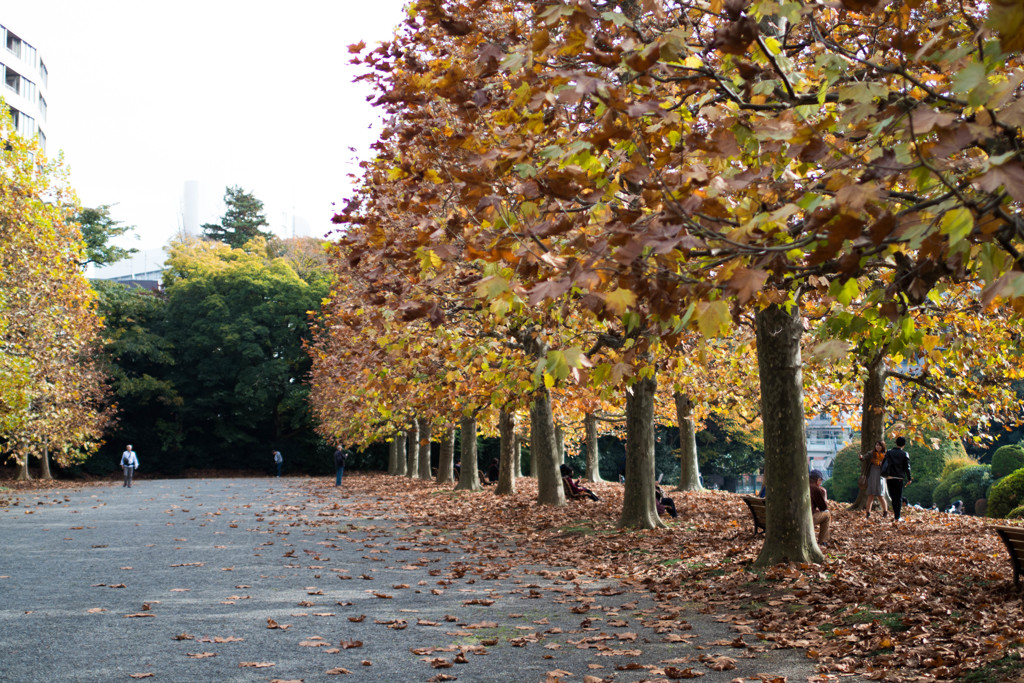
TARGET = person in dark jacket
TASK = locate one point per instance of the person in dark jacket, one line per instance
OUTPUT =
(340, 458)
(896, 471)
(820, 514)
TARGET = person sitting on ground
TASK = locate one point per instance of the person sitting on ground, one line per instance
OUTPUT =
(819, 508)
(664, 504)
(573, 489)
(493, 472)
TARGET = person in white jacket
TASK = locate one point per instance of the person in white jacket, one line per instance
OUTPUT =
(129, 463)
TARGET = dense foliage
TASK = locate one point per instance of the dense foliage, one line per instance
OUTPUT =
(52, 391)
(968, 484)
(211, 373)
(1006, 494)
(1007, 459)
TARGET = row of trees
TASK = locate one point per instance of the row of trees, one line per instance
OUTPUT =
(576, 204)
(52, 387)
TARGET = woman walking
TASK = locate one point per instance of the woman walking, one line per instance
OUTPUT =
(874, 487)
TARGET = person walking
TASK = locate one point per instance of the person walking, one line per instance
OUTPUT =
(896, 470)
(277, 461)
(874, 484)
(129, 463)
(340, 458)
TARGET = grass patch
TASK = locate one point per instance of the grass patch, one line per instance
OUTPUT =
(891, 620)
(999, 670)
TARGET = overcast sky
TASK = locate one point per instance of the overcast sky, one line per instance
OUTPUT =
(144, 96)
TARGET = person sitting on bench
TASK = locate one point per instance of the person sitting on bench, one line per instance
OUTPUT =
(573, 488)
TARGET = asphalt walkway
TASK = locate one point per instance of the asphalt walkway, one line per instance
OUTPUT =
(255, 580)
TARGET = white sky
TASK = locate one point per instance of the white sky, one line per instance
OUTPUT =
(144, 96)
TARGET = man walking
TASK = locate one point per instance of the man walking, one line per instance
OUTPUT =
(896, 471)
(277, 461)
(340, 458)
(129, 463)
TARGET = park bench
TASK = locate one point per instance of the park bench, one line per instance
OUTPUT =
(757, 511)
(1013, 537)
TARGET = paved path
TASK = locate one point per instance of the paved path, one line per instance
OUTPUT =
(178, 579)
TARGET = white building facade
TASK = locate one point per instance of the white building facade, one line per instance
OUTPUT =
(24, 90)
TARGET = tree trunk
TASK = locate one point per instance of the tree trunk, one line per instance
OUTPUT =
(393, 456)
(23, 474)
(445, 467)
(469, 478)
(517, 453)
(872, 423)
(543, 451)
(789, 530)
(593, 454)
(412, 451)
(46, 461)
(400, 454)
(560, 443)
(506, 463)
(425, 435)
(689, 470)
(638, 507)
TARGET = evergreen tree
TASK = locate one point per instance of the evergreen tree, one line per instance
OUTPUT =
(242, 220)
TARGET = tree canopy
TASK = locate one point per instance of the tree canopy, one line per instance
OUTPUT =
(241, 221)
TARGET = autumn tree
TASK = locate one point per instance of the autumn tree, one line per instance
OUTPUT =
(52, 391)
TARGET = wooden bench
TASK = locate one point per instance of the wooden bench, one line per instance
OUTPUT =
(1013, 537)
(757, 511)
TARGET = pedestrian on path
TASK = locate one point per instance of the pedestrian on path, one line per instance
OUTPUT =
(896, 470)
(340, 458)
(874, 482)
(277, 461)
(129, 463)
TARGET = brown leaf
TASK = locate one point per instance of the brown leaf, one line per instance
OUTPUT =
(255, 665)
(349, 644)
(201, 655)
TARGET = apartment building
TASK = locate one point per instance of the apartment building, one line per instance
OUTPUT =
(24, 78)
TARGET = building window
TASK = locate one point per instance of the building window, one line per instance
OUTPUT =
(43, 72)
(42, 140)
(42, 107)
(12, 80)
(13, 44)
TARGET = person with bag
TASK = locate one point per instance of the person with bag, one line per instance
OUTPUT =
(896, 470)
(340, 458)
(129, 463)
(874, 482)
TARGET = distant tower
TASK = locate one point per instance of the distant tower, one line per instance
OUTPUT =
(24, 74)
(190, 208)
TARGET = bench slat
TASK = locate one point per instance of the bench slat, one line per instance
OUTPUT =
(1013, 539)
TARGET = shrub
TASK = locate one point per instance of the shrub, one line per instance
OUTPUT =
(966, 483)
(953, 464)
(1007, 459)
(920, 492)
(1006, 494)
(842, 485)
(1016, 513)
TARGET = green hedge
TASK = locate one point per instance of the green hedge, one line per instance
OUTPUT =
(1007, 459)
(967, 484)
(1006, 494)
(1016, 513)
